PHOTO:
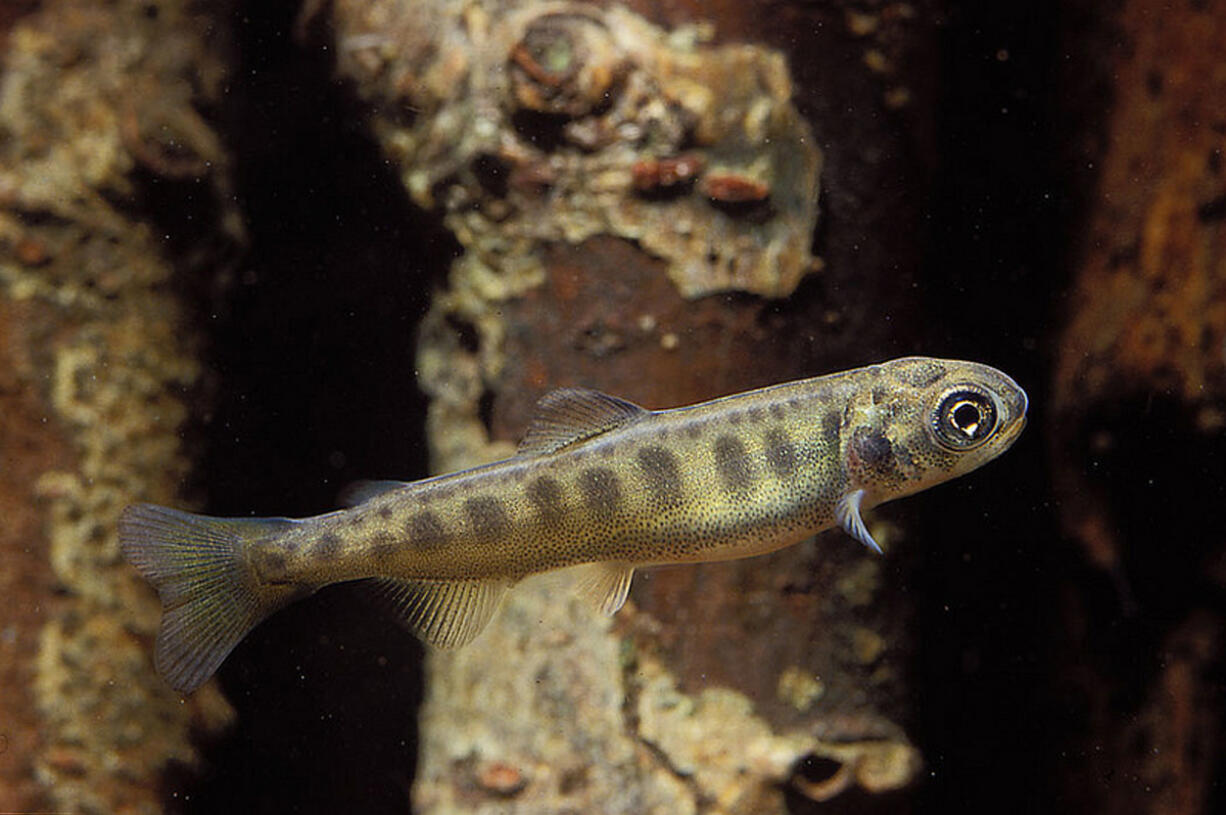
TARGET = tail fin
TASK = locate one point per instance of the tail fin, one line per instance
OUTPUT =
(210, 598)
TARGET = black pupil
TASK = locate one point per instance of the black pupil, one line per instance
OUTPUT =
(966, 418)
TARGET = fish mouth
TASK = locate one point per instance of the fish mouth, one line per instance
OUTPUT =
(1014, 395)
(1014, 398)
(1014, 430)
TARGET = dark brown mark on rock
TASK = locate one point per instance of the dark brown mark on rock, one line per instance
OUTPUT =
(666, 175)
(734, 188)
(1214, 210)
(733, 464)
(777, 411)
(663, 476)
(385, 512)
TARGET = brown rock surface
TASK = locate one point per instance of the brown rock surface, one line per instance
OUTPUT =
(1139, 409)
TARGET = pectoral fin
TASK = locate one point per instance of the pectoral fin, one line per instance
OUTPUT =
(848, 515)
(604, 585)
(444, 613)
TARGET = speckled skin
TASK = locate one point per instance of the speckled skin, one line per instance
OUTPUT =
(734, 477)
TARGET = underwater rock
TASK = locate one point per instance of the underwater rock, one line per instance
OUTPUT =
(98, 99)
(567, 114)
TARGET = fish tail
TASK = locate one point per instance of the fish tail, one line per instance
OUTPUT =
(210, 596)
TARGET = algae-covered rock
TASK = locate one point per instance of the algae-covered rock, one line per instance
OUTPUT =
(97, 101)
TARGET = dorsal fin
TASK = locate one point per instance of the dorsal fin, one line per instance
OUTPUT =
(571, 415)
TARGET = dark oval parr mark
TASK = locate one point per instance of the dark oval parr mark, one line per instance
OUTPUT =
(602, 492)
(327, 547)
(487, 516)
(426, 531)
(732, 462)
(780, 454)
(662, 474)
(546, 495)
(383, 545)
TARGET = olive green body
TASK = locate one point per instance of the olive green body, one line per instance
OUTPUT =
(725, 479)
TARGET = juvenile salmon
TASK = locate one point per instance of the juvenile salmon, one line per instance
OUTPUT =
(598, 484)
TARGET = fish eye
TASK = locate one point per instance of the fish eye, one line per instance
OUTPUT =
(965, 418)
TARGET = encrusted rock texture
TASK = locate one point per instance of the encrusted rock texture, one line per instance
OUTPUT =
(97, 101)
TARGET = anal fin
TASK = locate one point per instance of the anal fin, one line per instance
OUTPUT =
(604, 585)
(443, 613)
(848, 515)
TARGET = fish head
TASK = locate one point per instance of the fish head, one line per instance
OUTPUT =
(921, 421)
